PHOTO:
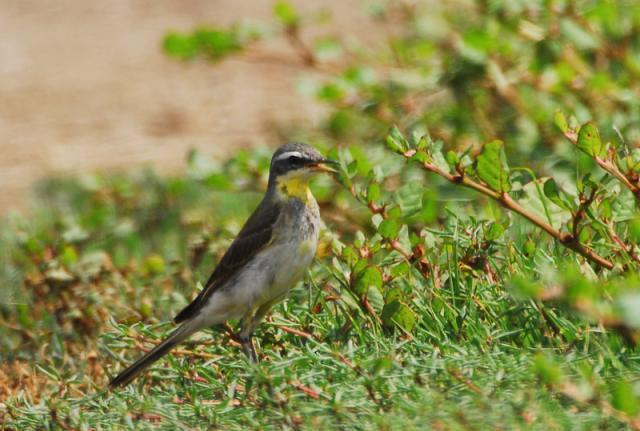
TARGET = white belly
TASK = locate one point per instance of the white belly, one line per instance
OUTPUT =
(268, 276)
(294, 260)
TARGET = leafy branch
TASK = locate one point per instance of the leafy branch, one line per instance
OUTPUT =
(611, 303)
(492, 180)
(587, 139)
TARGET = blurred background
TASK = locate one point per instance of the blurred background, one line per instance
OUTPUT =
(146, 125)
(85, 86)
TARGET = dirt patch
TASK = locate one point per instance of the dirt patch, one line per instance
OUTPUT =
(84, 86)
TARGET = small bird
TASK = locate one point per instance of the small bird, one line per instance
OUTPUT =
(267, 258)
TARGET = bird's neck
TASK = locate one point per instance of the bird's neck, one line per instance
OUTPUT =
(294, 186)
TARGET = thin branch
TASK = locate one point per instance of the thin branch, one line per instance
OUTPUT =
(578, 217)
(292, 33)
(628, 248)
(298, 332)
(457, 374)
(608, 166)
(394, 244)
(568, 240)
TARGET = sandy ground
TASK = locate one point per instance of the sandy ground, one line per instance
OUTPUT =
(84, 86)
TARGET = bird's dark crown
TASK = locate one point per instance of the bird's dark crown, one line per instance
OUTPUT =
(293, 156)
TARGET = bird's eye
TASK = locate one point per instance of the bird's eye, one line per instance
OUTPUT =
(295, 160)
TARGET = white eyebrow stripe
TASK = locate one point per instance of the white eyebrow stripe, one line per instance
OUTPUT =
(288, 154)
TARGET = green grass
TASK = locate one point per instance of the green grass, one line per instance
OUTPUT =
(436, 306)
(477, 358)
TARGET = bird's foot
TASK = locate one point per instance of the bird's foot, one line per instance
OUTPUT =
(249, 349)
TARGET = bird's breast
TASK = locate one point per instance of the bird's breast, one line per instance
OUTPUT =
(296, 242)
(294, 259)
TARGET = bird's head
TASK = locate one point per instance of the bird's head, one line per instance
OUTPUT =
(293, 165)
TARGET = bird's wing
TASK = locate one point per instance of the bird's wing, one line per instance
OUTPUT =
(256, 234)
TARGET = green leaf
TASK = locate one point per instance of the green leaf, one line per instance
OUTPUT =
(401, 269)
(634, 229)
(286, 13)
(330, 93)
(373, 192)
(423, 143)
(394, 212)
(623, 398)
(437, 158)
(492, 167)
(605, 209)
(393, 294)
(349, 255)
(561, 121)
(376, 219)
(217, 43)
(533, 198)
(429, 210)
(452, 158)
(388, 229)
(398, 313)
(633, 160)
(589, 140)
(494, 231)
(396, 142)
(180, 45)
(375, 299)
(547, 369)
(420, 156)
(327, 48)
(368, 277)
(409, 197)
(552, 192)
(352, 169)
(360, 265)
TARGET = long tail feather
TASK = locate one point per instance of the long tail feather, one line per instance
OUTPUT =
(179, 335)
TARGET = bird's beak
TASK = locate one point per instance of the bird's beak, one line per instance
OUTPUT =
(325, 165)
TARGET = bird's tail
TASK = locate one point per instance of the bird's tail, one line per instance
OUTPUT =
(176, 337)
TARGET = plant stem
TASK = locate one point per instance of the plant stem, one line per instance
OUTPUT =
(567, 240)
(293, 36)
(608, 166)
(627, 248)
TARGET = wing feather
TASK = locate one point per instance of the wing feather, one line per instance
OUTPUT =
(256, 234)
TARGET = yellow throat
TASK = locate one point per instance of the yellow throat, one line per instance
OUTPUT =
(295, 185)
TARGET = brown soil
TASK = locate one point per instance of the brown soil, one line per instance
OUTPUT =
(84, 86)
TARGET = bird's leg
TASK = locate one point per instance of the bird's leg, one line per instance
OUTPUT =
(246, 338)
(248, 348)
(262, 311)
(249, 324)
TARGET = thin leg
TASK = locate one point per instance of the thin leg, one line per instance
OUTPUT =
(246, 337)
(262, 311)
(249, 324)
(248, 348)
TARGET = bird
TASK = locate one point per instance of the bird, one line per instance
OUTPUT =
(269, 256)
